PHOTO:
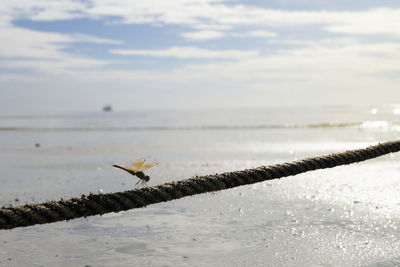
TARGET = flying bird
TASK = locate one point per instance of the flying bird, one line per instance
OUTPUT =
(136, 169)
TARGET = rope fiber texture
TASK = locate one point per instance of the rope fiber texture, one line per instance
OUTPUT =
(97, 204)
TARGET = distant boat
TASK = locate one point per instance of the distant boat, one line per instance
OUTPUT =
(107, 108)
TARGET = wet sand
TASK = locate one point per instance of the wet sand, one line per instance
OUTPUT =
(346, 216)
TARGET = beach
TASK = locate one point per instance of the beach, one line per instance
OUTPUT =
(345, 216)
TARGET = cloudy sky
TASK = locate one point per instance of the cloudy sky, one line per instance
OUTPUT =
(62, 56)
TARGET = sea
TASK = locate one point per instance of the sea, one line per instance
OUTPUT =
(344, 216)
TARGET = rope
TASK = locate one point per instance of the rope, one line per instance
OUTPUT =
(97, 204)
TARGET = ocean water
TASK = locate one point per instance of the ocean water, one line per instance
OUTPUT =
(345, 216)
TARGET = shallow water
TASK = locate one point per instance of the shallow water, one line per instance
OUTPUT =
(346, 216)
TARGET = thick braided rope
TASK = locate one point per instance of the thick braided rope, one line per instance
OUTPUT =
(92, 204)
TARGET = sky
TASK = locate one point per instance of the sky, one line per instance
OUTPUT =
(69, 56)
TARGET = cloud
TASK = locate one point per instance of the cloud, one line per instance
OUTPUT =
(351, 64)
(43, 51)
(261, 34)
(38, 51)
(348, 62)
(189, 52)
(20, 42)
(210, 35)
(84, 38)
(212, 17)
(203, 35)
(378, 21)
(215, 18)
(323, 71)
(42, 10)
(343, 64)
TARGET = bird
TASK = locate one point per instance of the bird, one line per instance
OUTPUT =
(136, 169)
